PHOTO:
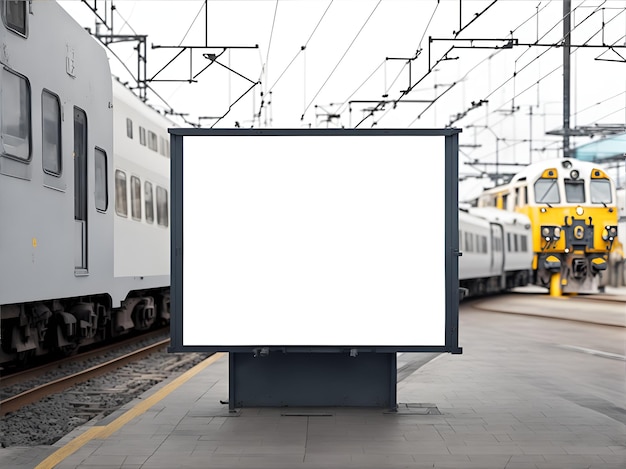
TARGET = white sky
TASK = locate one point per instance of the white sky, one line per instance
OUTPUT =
(348, 43)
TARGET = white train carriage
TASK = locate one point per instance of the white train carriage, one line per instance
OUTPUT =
(56, 236)
(496, 253)
(142, 188)
(64, 280)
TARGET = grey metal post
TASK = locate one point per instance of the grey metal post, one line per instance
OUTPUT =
(176, 241)
(566, 75)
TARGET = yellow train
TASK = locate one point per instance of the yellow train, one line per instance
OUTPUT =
(573, 212)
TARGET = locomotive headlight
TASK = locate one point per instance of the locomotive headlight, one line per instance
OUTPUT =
(579, 211)
(609, 232)
(574, 174)
(551, 233)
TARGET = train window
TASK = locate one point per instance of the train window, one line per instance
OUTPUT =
(516, 242)
(51, 133)
(14, 15)
(547, 191)
(460, 240)
(162, 206)
(142, 135)
(135, 198)
(508, 242)
(162, 146)
(524, 243)
(575, 191)
(129, 128)
(121, 200)
(487, 201)
(153, 142)
(16, 133)
(101, 192)
(148, 196)
(600, 191)
(483, 240)
(519, 200)
(167, 148)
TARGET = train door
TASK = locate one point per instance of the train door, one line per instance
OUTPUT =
(80, 190)
(497, 251)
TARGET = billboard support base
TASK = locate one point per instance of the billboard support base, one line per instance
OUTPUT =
(311, 379)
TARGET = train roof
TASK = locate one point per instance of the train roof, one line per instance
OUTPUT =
(535, 169)
(124, 94)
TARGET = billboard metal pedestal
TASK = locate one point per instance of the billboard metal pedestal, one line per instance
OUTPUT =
(312, 380)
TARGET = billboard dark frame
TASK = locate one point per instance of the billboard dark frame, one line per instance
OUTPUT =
(450, 244)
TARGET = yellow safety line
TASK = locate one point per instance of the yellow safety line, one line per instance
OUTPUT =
(107, 430)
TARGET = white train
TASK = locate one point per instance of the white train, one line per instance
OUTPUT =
(496, 250)
(84, 191)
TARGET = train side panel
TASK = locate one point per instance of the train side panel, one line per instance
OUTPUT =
(59, 78)
(495, 246)
(475, 262)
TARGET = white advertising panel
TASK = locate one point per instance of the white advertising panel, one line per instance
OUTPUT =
(313, 240)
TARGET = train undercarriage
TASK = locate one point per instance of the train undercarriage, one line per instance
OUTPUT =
(63, 326)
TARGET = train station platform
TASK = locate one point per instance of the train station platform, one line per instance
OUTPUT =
(515, 400)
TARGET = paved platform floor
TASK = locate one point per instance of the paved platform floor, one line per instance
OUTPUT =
(525, 394)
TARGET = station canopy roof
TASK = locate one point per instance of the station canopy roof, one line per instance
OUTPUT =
(608, 149)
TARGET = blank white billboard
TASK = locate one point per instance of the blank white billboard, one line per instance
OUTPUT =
(314, 240)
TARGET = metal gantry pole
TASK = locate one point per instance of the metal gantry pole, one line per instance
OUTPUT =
(566, 75)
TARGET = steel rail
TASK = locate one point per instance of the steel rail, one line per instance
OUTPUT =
(11, 378)
(18, 401)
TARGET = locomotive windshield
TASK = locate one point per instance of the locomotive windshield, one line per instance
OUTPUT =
(546, 191)
(600, 191)
(575, 191)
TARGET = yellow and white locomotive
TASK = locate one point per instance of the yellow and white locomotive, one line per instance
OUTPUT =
(572, 208)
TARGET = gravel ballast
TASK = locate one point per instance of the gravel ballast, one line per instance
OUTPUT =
(47, 421)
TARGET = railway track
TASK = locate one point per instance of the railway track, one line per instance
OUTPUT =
(15, 402)
(10, 376)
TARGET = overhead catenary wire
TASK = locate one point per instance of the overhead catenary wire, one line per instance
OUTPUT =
(444, 57)
(599, 102)
(341, 59)
(325, 10)
(575, 49)
(409, 88)
(302, 48)
(529, 63)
